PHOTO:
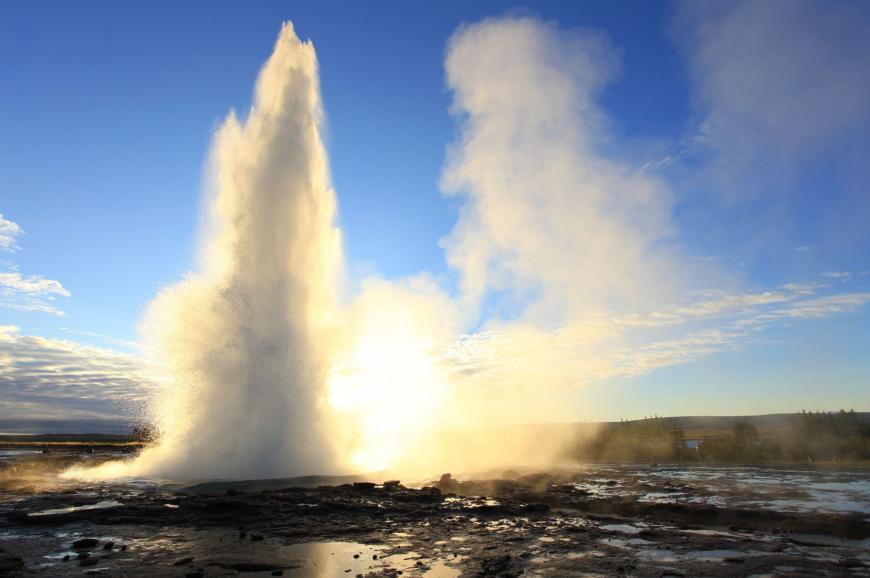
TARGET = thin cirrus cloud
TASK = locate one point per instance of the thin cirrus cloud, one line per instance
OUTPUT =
(528, 359)
(49, 378)
(9, 232)
(25, 292)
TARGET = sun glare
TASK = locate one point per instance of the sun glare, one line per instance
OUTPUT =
(389, 386)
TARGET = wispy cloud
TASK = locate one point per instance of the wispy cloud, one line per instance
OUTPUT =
(44, 378)
(596, 349)
(30, 292)
(9, 231)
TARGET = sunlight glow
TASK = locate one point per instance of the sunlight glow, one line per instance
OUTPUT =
(389, 386)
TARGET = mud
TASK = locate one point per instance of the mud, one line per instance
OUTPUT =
(578, 521)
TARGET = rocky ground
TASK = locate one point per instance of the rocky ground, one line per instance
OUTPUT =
(585, 521)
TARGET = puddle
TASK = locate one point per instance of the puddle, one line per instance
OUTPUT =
(414, 564)
(623, 528)
(98, 506)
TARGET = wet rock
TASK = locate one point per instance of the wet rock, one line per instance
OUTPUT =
(66, 558)
(89, 561)
(9, 562)
(256, 537)
(446, 483)
(83, 555)
(123, 547)
(391, 484)
(196, 574)
(109, 546)
(364, 485)
(183, 561)
(277, 573)
(85, 544)
(850, 563)
(497, 566)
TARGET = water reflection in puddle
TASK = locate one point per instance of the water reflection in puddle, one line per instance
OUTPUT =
(623, 528)
(98, 506)
(329, 559)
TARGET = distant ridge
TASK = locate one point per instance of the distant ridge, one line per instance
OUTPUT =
(765, 421)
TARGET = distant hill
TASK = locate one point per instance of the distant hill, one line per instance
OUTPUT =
(766, 422)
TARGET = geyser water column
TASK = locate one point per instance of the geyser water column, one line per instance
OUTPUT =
(243, 344)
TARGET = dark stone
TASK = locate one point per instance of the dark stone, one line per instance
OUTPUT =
(364, 485)
(197, 574)
(109, 546)
(391, 484)
(85, 543)
(89, 561)
(447, 483)
(9, 563)
(277, 573)
(256, 537)
(66, 558)
(183, 561)
(498, 565)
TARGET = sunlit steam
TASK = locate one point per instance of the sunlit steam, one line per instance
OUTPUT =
(243, 344)
(390, 384)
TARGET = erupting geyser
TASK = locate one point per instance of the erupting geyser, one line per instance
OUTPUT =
(242, 344)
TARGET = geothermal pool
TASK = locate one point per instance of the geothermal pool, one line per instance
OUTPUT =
(580, 520)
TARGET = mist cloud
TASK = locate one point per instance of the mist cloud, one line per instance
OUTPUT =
(551, 226)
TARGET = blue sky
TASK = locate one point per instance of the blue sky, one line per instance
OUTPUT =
(757, 133)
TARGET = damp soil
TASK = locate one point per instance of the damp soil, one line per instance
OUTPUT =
(642, 520)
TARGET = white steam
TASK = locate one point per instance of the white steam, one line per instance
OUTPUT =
(550, 223)
(243, 343)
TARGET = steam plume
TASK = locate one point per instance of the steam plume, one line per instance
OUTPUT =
(243, 342)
